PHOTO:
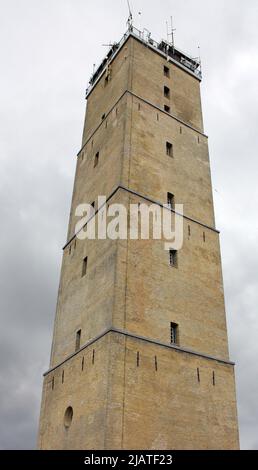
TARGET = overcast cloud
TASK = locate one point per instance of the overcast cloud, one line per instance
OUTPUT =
(47, 50)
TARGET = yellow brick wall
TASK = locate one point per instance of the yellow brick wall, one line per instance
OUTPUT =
(148, 82)
(186, 174)
(86, 391)
(159, 404)
(156, 294)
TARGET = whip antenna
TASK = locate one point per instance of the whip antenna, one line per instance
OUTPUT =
(130, 17)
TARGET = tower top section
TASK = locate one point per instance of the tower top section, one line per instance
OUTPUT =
(163, 47)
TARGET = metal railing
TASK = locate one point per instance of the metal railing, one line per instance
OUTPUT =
(164, 47)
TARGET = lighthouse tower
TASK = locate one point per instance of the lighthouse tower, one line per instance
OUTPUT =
(140, 351)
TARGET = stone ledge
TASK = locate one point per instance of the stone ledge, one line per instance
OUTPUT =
(141, 338)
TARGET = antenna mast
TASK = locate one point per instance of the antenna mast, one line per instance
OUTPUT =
(171, 33)
(130, 17)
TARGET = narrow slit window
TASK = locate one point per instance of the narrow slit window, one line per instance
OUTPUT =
(82, 363)
(171, 200)
(156, 363)
(169, 149)
(166, 92)
(93, 356)
(213, 379)
(198, 374)
(166, 71)
(63, 377)
(96, 159)
(167, 108)
(84, 266)
(53, 383)
(78, 340)
(189, 230)
(204, 237)
(157, 117)
(173, 333)
(138, 359)
(173, 258)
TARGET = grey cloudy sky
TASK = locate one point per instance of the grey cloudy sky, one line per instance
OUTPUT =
(47, 50)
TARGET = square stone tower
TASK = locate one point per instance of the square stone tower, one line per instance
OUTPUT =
(140, 352)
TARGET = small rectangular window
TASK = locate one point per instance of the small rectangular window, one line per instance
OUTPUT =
(173, 333)
(169, 149)
(84, 266)
(173, 261)
(171, 200)
(166, 71)
(166, 92)
(78, 340)
(96, 159)
(167, 108)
